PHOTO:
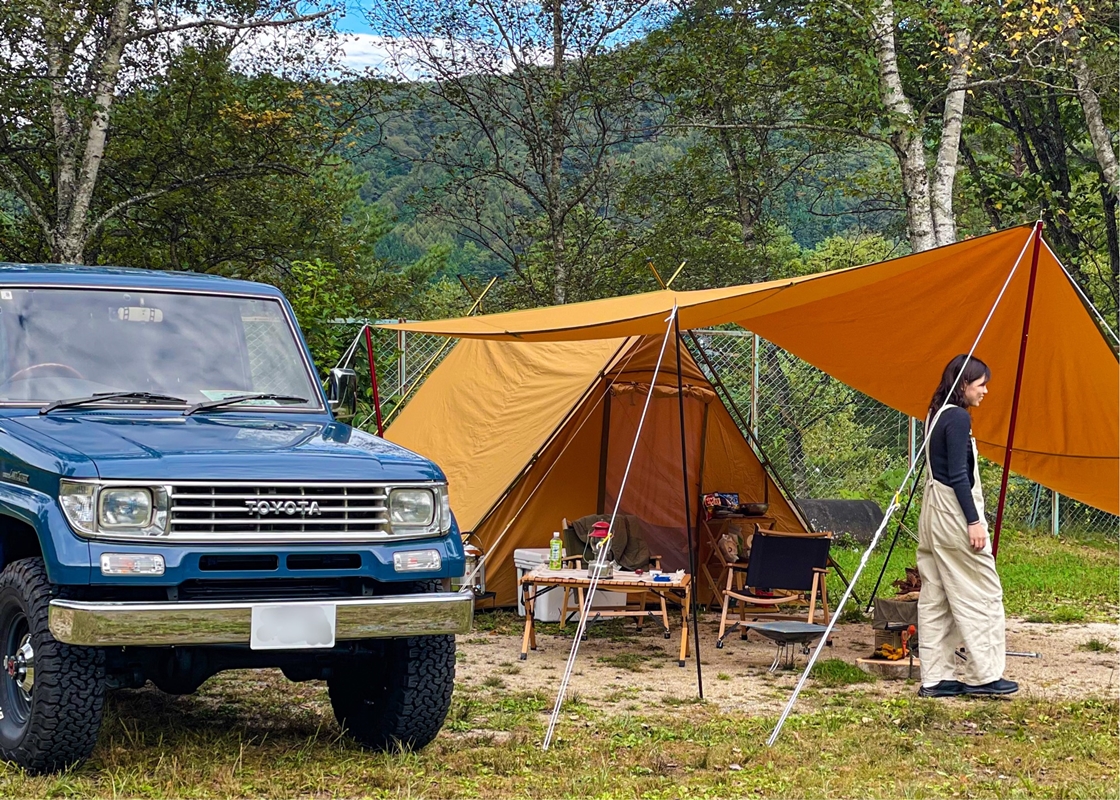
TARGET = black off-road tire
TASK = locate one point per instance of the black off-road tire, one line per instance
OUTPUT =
(55, 725)
(398, 698)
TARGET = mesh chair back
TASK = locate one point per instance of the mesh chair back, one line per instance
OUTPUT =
(786, 562)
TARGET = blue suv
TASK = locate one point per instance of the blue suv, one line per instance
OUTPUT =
(177, 498)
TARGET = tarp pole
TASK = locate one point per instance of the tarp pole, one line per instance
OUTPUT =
(373, 382)
(604, 451)
(1018, 387)
(688, 516)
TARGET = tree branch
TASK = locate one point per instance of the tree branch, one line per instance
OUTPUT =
(211, 22)
(225, 174)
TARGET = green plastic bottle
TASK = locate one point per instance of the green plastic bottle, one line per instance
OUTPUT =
(555, 560)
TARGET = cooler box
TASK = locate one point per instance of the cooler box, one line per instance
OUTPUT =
(548, 604)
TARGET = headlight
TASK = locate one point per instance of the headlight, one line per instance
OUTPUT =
(115, 512)
(412, 507)
(419, 511)
(124, 508)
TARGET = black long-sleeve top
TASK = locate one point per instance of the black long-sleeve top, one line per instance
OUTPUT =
(951, 458)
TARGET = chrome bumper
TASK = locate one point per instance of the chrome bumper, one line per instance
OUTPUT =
(160, 624)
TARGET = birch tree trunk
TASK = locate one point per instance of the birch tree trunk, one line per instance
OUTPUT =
(1094, 119)
(948, 151)
(77, 181)
(907, 140)
(929, 200)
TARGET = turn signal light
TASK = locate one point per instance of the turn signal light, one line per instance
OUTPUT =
(131, 564)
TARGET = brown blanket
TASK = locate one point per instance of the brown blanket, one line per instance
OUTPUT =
(628, 543)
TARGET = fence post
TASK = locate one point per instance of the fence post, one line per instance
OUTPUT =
(754, 385)
(1055, 527)
(911, 438)
(401, 361)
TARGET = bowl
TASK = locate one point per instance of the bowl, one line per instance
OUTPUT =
(753, 509)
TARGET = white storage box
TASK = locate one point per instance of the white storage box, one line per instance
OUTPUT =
(548, 603)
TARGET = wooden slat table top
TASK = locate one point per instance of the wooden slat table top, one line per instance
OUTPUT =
(578, 577)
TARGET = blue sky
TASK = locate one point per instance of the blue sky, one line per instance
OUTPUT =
(354, 21)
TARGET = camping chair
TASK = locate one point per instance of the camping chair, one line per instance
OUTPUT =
(784, 568)
(583, 555)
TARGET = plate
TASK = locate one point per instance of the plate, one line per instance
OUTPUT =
(292, 627)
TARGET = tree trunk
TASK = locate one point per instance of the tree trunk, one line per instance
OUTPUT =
(1112, 277)
(1094, 119)
(945, 170)
(77, 181)
(907, 140)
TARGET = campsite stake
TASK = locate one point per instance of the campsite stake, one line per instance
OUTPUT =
(688, 514)
(1018, 386)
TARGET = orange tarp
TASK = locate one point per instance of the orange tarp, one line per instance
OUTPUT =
(888, 329)
(519, 430)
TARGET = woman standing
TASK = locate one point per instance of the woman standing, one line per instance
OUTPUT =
(961, 596)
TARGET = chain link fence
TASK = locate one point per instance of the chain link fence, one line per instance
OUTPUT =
(403, 360)
(824, 439)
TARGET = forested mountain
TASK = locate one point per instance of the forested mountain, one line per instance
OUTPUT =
(564, 148)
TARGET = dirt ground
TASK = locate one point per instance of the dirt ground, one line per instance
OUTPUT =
(618, 667)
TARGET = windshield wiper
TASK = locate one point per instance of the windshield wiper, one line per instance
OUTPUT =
(242, 398)
(101, 397)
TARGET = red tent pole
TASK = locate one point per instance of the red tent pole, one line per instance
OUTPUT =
(373, 381)
(1018, 386)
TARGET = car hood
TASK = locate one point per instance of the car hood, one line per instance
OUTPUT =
(225, 447)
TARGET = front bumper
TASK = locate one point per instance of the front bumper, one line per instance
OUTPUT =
(94, 624)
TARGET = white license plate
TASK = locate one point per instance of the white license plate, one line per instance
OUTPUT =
(292, 627)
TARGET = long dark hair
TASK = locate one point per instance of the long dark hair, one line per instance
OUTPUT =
(974, 370)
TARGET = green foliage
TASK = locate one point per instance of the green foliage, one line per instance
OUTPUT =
(834, 672)
(1096, 646)
(1044, 579)
(319, 294)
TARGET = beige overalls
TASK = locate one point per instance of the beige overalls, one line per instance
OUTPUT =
(961, 596)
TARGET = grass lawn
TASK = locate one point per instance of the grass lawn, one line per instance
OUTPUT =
(1045, 579)
(254, 734)
(249, 735)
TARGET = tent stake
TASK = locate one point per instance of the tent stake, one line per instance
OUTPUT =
(688, 515)
(1018, 386)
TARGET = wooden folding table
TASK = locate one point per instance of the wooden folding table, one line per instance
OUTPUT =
(542, 579)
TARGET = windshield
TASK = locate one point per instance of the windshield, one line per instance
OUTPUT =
(67, 343)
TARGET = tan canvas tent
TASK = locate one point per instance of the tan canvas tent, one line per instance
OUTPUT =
(888, 329)
(531, 432)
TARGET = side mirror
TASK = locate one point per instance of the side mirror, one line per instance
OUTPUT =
(342, 392)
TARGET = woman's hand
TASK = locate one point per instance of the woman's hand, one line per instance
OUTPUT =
(977, 535)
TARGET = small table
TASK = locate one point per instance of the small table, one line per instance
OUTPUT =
(542, 576)
(788, 635)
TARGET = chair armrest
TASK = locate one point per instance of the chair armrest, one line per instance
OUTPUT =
(577, 560)
(656, 561)
(821, 570)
